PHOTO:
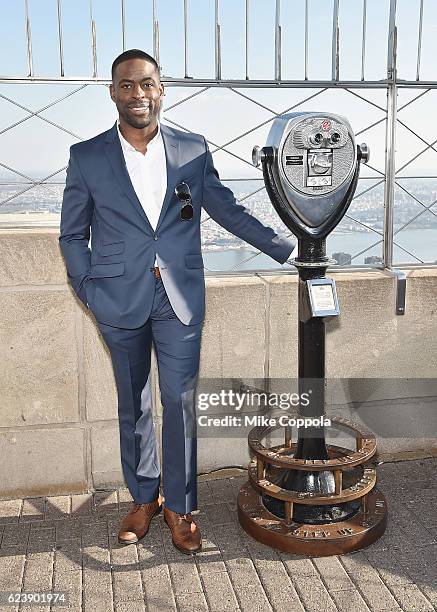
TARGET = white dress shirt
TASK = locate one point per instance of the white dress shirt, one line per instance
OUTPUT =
(148, 174)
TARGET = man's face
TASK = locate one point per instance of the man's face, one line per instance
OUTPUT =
(136, 90)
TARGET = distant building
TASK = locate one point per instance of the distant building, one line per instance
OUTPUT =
(343, 259)
(374, 259)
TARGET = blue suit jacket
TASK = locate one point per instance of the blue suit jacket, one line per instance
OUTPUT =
(114, 276)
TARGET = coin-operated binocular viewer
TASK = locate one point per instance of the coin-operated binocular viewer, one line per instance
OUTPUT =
(307, 496)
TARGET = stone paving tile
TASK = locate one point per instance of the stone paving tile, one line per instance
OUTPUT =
(430, 593)
(127, 586)
(412, 530)
(58, 507)
(209, 561)
(68, 556)
(105, 502)
(158, 587)
(218, 591)
(410, 598)
(156, 579)
(253, 601)
(420, 563)
(247, 585)
(242, 572)
(230, 538)
(308, 584)
(201, 514)
(67, 529)
(97, 588)
(131, 606)
(33, 509)
(184, 576)
(191, 602)
(97, 603)
(46, 524)
(161, 604)
(390, 566)
(333, 574)
(277, 584)
(124, 500)
(126, 575)
(41, 539)
(221, 491)
(204, 493)
(124, 557)
(12, 561)
(38, 572)
(349, 600)
(15, 535)
(314, 595)
(95, 534)
(69, 582)
(97, 578)
(219, 513)
(369, 583)
(10, 510)
(284, 598)
(82, 504)
(261, 553)
(233, 507)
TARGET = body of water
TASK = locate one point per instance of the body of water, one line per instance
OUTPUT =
(419, 242)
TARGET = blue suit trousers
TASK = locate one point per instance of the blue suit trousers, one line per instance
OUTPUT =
(177, 348)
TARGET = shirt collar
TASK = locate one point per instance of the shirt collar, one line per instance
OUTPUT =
(127, 145)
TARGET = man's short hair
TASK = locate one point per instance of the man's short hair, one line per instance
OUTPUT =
(133, 54)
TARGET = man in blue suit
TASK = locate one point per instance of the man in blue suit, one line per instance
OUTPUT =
(143, 280)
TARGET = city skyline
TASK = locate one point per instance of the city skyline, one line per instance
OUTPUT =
(365, 224)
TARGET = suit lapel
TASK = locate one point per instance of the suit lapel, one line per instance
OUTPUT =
(171, 146)
(115, 156)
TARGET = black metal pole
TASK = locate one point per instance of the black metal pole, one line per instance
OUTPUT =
(311, 440)
(311, 333)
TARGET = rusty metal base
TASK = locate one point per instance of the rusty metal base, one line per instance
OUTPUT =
(312, 540)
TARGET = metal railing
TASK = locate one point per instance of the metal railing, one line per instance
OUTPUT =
(246, 86)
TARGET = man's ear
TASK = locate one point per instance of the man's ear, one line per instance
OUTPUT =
(111, 91)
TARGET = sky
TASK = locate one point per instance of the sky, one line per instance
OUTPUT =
(38, 148)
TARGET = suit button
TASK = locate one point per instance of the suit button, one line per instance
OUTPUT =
(155, 237)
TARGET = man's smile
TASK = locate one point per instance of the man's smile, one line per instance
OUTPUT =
(139, 109)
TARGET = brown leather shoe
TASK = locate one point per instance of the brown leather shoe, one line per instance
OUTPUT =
(185, 533)
(135, 524)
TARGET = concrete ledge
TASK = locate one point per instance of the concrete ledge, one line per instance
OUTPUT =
(30, 257)
(38, 353)
(100, 389)
(42, 462)
(105, 457)
(59, 428)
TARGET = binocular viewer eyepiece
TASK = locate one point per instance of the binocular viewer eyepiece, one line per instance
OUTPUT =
(310, 166)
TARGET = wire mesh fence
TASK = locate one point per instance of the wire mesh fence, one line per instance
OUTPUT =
(229, 69)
